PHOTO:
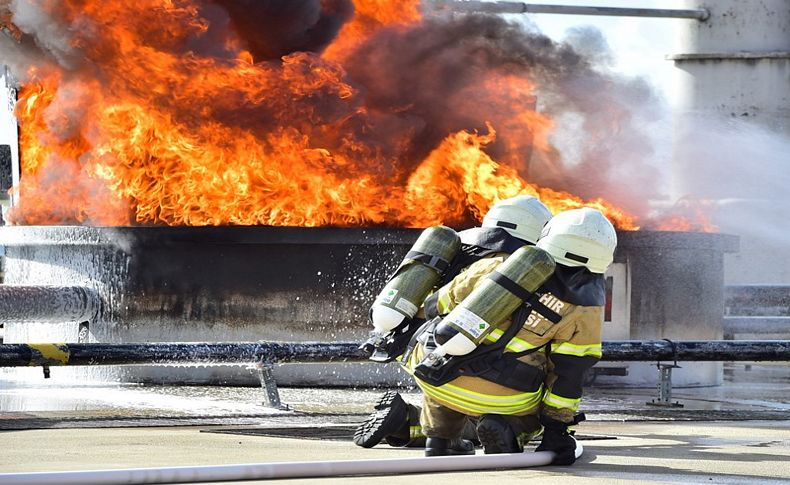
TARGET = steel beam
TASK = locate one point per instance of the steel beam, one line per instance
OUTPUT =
(20, 355)
(496, 7)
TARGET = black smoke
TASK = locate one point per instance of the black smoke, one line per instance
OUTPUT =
(274, 28)
(428, 81)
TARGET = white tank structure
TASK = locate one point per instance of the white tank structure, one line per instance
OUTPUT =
(732, 126)
(665, 285)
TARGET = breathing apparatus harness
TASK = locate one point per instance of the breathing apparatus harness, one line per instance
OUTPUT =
(490, 362)
(476, 244)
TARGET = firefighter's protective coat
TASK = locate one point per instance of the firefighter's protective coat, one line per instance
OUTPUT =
(566, 349)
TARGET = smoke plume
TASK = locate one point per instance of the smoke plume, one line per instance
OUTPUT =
(434, 75)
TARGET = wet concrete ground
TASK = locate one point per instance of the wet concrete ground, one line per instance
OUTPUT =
(735, 433)
(750, 452)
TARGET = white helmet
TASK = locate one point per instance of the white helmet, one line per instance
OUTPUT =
(523, 216)
(580, 237)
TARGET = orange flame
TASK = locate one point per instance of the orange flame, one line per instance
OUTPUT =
(688, 215)
(468, 179)
(371, 15)
(140, 134)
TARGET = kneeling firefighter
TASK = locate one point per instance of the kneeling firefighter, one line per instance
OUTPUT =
(507, 226)
(520, 333)
(527, 372)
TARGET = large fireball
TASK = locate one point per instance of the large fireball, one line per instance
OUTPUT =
(298, 113)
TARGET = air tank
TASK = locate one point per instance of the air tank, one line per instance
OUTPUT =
(414, 279)
(491, 304)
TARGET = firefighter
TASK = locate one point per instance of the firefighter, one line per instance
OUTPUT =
(559, 336)
(556, 338)
(507, 226)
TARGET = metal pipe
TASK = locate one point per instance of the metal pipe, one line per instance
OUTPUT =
(15, 355)
(497, 7)
(757, 325)
(48, 304)
(283, 470)
(21, 355)
(702, 350)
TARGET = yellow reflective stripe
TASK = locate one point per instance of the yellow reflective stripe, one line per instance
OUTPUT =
(495, 335)
(491, 399)
(592, 350)
(477, 408)
(443, 303)
(478, 403)
(515, 345)
(556, 401)
(520, 345)
(416, 432)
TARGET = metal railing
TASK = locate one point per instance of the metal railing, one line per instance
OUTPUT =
(52, 354)
(510, 7)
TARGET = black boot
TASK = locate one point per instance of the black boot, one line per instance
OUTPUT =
(411, 434)
(445, 447)
(496, 435)
(558, 439)
(391, 415)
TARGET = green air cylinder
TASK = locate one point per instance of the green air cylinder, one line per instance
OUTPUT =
(416, 276)
(490, 304)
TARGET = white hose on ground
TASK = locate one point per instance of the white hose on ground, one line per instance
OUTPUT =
(269, 471)
(579, 449)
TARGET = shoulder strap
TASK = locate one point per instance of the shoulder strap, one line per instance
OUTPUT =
(532, 298)
(435, 262)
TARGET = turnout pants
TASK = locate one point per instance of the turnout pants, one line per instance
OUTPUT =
(439, 421)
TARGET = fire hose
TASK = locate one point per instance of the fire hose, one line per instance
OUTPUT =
(284, 470)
